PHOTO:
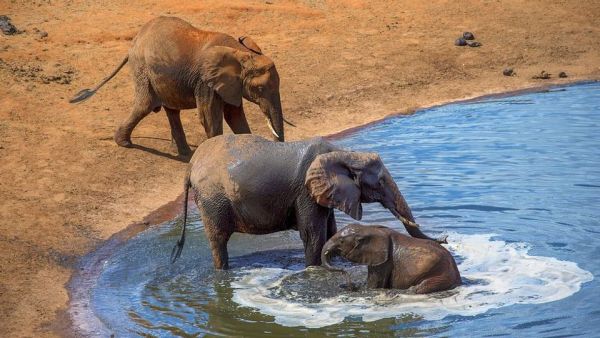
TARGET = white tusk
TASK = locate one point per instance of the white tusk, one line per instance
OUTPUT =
(407, 222)
(271, 127)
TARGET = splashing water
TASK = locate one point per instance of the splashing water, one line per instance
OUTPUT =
(497, 274)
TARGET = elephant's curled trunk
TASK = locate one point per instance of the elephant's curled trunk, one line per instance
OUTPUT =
(329, 250)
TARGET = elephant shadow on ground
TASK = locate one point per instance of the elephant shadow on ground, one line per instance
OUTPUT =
(180, 158)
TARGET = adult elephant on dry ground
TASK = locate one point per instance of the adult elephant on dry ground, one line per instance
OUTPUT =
(245, 183)
(177, 66)
(394, 260)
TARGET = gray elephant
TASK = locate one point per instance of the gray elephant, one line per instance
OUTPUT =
(394, 260)
(245, 183)
(176, 66)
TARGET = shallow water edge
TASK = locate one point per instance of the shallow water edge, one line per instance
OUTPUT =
(80, 313)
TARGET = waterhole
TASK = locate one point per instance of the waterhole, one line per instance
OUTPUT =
(513, 181)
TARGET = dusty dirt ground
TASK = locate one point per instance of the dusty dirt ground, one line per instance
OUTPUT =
(64, 184)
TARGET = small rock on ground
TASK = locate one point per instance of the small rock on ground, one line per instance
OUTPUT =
(562, 75)
(508, 72)
(7, 27)
(460, 42)
(468, 36)
(543, 75)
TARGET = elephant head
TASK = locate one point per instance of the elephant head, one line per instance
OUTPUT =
(344, 179)
(371, 245)
(234, 74)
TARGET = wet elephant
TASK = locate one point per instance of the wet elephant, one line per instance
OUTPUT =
(176, 66)
(245, 183)
(394, 260)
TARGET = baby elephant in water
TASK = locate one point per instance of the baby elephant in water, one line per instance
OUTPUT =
(394, 260)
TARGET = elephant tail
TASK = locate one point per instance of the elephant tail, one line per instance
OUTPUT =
(87, 93)
(176, 252)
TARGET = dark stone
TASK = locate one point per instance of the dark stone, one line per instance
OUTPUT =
(43, 34)
(7, 27)
(562, 75)
(468, 36)
(474, 44)
(543, 75)
(508, 72)
(460, 42)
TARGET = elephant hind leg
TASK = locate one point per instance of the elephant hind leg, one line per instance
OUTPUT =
(144, 103)
(218, 244)
(219, 253)
(434, 284)
(178, 140)
(218, 231)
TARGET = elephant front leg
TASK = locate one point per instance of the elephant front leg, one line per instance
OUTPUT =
(178, 140)
(210, 110)
(235, 118)
(331, 224)
(313, 231)
(379, 277)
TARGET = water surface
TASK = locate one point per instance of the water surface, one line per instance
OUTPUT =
(514, 182)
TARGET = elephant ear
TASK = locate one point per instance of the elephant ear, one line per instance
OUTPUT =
(247, 42)
(333, 183)
(372, 246)
(221, 72)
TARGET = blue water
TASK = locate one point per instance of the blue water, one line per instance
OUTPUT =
(514, 181)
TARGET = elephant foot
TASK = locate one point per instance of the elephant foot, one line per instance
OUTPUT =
(123, 141)
(181, 151)
(185, 152)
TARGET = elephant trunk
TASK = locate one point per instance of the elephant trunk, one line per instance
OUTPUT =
(329, 250)
(401, 210)
(274, 114)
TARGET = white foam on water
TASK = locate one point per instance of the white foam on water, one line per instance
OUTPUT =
(504, 275)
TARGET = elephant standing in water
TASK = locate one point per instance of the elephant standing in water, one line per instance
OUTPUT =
(394, 260)
(245, 183)
(177, 66)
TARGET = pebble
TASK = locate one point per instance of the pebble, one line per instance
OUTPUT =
(7, 27)
(508, 72)
(474, 44)
(542, 75)
(468, 36)
(562, 75)
(460, 42)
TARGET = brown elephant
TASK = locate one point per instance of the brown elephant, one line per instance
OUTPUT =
(245, 183)
(177, 66)
(394, 260)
